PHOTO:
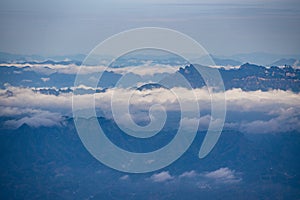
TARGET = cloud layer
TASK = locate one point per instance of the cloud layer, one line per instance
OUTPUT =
(43, 118)
(279, 110)
(142, 70)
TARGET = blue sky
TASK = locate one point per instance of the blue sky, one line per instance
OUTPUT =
(222, 27)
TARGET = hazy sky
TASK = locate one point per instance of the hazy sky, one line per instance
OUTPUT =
(59, 27)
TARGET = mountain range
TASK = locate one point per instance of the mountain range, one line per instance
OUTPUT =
(248, 77)
(258, 58)
(51, 163)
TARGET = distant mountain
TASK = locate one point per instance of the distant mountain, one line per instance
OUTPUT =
(10, 58)
(51, 62)
(52, 163)
(47, 77)
(75, 57)
(250, 77)
(285, 62)
(19, 58)
(260, 58)
(226, 61)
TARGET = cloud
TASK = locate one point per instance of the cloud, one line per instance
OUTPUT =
(239, 100)
(125, 177)
(161, 177)
(24, 98)
(203, 180)
(45, 79)
(288, 120)
(48, 69)
(147, 69)
(16, 111)
(189, 174)
(227, 67)
(223, 175)
(280, 109)
(44, 118)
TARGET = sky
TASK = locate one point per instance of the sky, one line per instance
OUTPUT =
(222, 27)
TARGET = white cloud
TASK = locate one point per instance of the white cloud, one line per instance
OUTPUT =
(142, 70)
(44, 118)
(161, 177)
(16, 111)
(125, 177)
(45, 79)
(239, 100)
(288, 120)
(223, 175)
(26, 98)
(146, 70)
(189, 174)
(202, 180)
(48, 69)
(204, 186)
(227, 67)
(282, 108)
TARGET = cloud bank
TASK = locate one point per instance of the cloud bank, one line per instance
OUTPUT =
(43, 118)
(280, 110)
(148, 69)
